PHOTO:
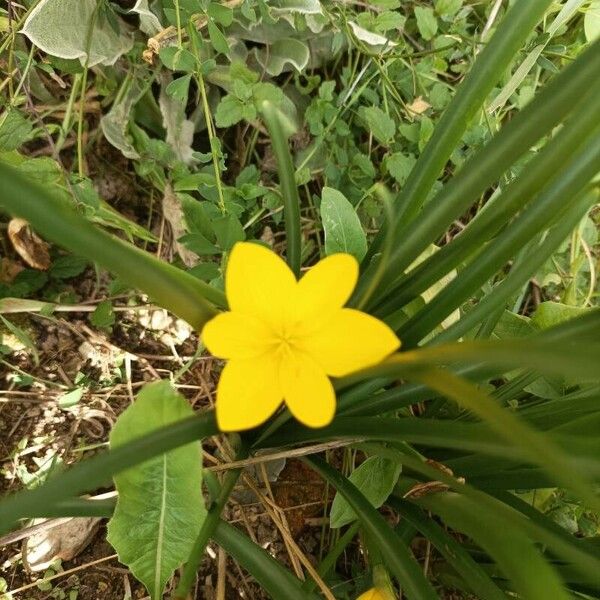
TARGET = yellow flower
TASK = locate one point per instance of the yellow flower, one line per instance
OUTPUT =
(372, 594)
(283, 338)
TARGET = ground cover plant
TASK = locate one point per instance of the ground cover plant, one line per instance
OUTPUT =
(376, 224)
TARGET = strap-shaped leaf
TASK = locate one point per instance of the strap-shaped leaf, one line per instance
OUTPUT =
(395, 553)
(275, 579)
(177, 291)
(160, 508)
(94, 472)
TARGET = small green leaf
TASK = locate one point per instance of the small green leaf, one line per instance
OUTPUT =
(217, 39)
(399, 166)
(426, 22)
(160, 508)
(104, 315)
(380, 124)
(70, 398)
(14, 130)
(177, 59)
(375, 479)
(231, 110)
(223, 15)
(178, 88)
(228, 230)
(343, 231)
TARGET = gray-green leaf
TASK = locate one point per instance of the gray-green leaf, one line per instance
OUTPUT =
(160, 508)
(380, 124)
(63, 28)
(375, 479)
(343, 231)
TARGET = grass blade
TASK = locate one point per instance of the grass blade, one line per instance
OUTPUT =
(394, 552)
(183, 294)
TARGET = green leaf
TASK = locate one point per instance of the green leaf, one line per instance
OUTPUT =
(231, 110)
(178, 88)
(447, 7)
(160, 508)
(591, 21)
(177, 59)
(379, 123)
(549, 314)
(220, 13)
(217, 39)
(14, 130)
(510, 547)
(63, 29)
(343, 231)
(228, 230)
(375, 479)
(70, 398)
(104, 315)
(282, 52)
(426, 22)
(399, 166)
(393, 550)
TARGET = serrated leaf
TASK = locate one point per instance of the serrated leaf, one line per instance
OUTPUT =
(426, 22)
(160, 508)
(62, 29)
(343, 231)
(15, 129)
(230, 111)
(380, 124)
(375, 479)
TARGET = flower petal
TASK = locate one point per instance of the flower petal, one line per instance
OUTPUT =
(258, 283)
(307, 391)
(350, 340)
(248, 393)
(235, 335)
(325, 288)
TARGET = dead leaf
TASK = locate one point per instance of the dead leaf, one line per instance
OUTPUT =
(173, 214)
(29, 246)
(418, 106)
(9, 269)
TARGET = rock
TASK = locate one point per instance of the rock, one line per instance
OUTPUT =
(65, 542)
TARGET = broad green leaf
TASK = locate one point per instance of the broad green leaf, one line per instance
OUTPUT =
(283, 52)
(426, 21)
(549, 314)
(14, 129)
(375, 479)
(149, 22)
(160, 508)
(399, 165)
(591, 21)
(343, 231)
(379, 123)
(63, 28)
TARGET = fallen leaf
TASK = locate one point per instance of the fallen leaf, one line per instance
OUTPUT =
(418, 106)
(29, 246)
(173, 213)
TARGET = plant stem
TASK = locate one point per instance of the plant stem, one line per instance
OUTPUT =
(287, 182)
(208, 528)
